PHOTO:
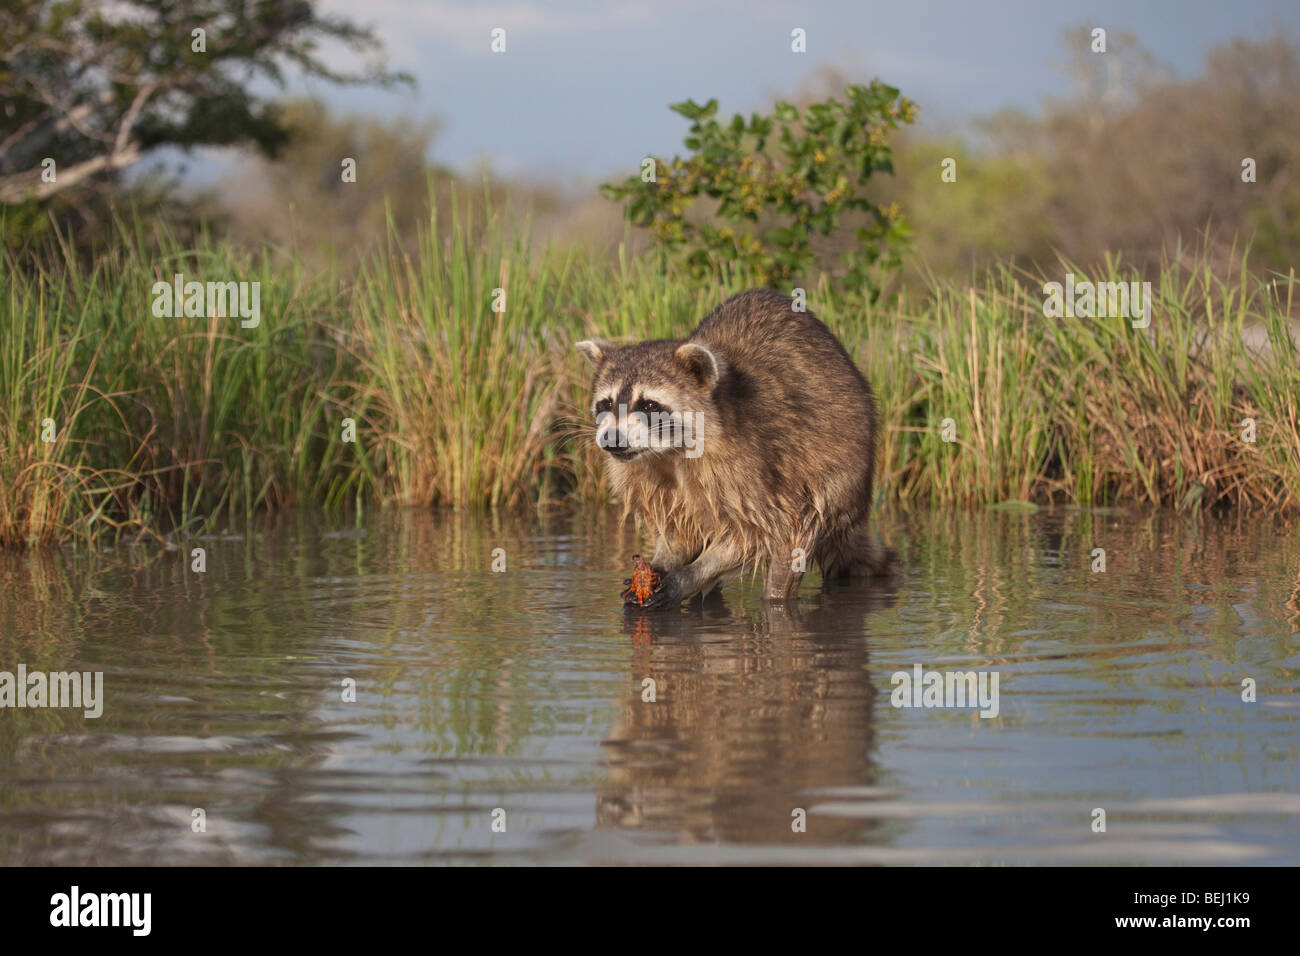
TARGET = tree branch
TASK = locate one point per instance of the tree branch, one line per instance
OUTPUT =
(28, 186)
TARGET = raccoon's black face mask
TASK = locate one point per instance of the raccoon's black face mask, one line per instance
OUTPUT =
(651, 399)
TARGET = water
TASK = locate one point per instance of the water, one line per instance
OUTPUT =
(522, 691)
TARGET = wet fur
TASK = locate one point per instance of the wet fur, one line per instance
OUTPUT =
(788, 449)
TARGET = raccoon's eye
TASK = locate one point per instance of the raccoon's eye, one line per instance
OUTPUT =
(649, 406)
(604, 405)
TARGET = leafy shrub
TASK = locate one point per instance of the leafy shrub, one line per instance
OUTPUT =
(776, 181)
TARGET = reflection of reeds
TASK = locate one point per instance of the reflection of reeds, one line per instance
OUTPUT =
(1294, 603)
(1166, 573)
(165, 421)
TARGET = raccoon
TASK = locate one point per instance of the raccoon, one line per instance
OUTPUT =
(750, 439)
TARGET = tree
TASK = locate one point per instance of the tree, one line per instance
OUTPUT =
(88, 87)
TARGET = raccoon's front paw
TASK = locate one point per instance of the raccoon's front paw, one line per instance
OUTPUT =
(669, 594)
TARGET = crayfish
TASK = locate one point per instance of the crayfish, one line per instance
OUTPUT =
(643, 582)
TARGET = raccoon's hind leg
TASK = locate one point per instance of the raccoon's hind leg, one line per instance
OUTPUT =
(856, 554)
(878, 561)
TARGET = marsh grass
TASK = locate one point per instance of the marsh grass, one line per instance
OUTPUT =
(187, 423)
(461, 363)
(44, 470)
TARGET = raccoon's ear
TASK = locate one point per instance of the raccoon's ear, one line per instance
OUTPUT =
(700, 362)
(594, 349)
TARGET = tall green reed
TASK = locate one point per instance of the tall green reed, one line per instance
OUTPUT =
(454, 360)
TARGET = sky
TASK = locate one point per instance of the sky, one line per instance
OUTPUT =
(582, 90)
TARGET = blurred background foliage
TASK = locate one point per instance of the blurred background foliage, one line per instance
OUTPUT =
(1135, 164)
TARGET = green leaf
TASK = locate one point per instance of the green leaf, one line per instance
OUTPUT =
(689, 108)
